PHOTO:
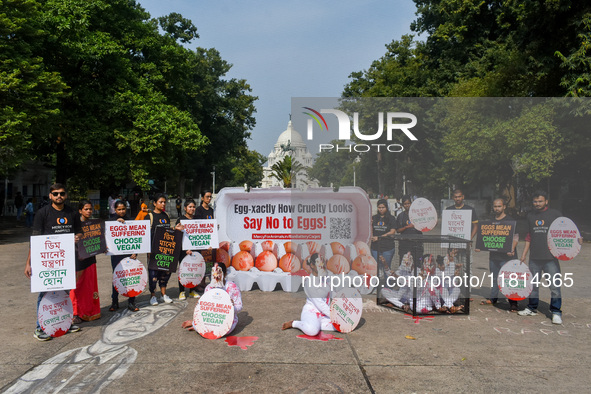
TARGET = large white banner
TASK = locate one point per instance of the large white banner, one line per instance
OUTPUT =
(131, 237)
(200, 234)
(53, 262)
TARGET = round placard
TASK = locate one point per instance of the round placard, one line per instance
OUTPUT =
(563, 239)
(55, 313)
(345, 309)
(214, 314)
(515, 280)
(423, 215)
(130, 277)
(191, 270)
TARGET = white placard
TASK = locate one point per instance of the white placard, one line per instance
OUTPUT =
(345, 309)
(214, 314)
(131, 237)
(53, 262)
(55, 313)
(200, 234)
(130, 277)
(423, 215)
(456, 223)
(515, 280)
(563, 239)
(191, 270)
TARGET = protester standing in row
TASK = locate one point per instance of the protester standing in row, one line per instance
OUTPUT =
(120, 215)
(498, 259)
(205, 212)
(190, 207)
(158, 218)
(540, 258)
(57, 218)
(383, 227)
(405, 227)
(85, 297)
(459, 205)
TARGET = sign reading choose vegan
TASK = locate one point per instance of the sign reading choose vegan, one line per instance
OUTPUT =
(131, 237)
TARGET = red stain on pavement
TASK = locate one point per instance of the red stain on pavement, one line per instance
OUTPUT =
(242, 342)
(320, 337)
(418, 318)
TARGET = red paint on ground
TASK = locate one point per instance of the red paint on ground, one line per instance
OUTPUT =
(209, 335)
(417, 318)
(320, 337)
(242, 342)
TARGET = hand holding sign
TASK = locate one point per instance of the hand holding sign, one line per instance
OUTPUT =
(564, 239)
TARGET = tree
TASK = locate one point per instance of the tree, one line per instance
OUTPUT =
(29, 94)
(286, 170)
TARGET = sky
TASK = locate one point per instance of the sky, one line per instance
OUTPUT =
(291, 49)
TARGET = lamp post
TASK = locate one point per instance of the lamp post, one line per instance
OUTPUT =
(357, 160)
(213, 173)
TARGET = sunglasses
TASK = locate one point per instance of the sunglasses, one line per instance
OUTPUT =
(55, 194)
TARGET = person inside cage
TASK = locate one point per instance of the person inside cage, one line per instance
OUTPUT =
(428, 294)
(450, 288)
(402, 296)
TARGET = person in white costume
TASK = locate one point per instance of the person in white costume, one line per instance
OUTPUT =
(316, 312)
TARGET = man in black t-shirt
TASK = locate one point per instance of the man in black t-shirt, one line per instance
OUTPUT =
(55, 218)
(498, 259)
(459, 205)
(540, 258)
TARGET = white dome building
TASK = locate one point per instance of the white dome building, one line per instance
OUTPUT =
(290, 142)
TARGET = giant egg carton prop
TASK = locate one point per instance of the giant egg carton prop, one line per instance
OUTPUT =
(268, 235)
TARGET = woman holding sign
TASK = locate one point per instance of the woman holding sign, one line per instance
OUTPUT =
(121, 216)
(316, 312)
(85, 297)
(405, 228)
(190, 207)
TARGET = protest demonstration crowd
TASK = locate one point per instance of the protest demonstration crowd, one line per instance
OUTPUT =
(436, 291)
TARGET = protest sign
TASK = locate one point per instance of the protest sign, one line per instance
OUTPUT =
(345, 309)
(214, 314)
(200, 234)
(55, 313)
(191, 270)
(564, 239)
(457, 223)
(131, 237)
(166, 247)
(515, 280)
(130, 277)
(423, 215)
(53, 262)
(495, 236)
(92, 242)
(319, 215)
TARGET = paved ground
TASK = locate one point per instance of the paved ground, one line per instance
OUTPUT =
(489, 350)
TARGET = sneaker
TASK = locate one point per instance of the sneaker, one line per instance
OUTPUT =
(556, 318)
(527, 312)
(153, 300)
(41, 336)
(194, 294)
(166, 299)
(182, 296)
(73, 328)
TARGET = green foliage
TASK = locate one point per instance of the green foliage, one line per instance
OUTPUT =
(286, 170)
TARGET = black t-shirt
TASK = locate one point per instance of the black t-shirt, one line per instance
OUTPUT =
(49, 220)
(502, 256)
(202, 213)
(382, 225)
(538, 224)
(402, 220)
(159, 220)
